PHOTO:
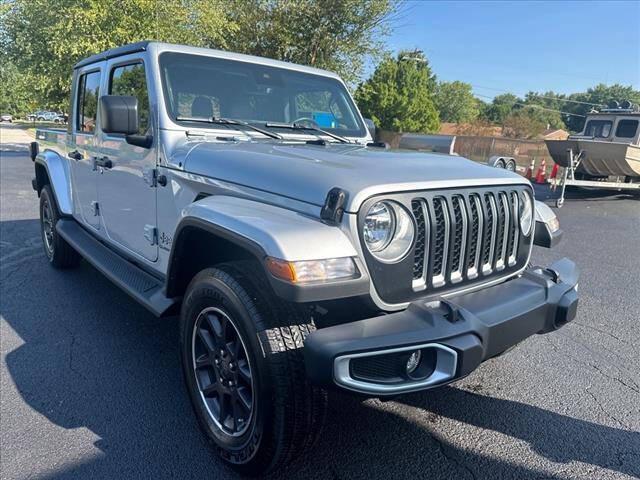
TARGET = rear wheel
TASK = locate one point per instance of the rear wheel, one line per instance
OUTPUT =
(244, 370)
(59, 253)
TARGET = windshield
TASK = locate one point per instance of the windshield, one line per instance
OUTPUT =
(598, 128)
(197, 86)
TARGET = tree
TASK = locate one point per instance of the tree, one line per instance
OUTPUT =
(398, 96)
(601, 95)
(15, 93)
(336, 35)
(47, 38)
(500, 108)
(523, 123)
(455, 102)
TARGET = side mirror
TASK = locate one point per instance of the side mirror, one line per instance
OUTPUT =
(547, 229)
(119, 114)
(371, 127)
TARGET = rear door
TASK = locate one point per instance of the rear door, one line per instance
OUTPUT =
(126, 190)
(82, 144)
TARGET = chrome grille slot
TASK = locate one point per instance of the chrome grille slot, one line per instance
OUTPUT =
(514, 232)
(418, 207)
(459, 239)
(442, 227)
(462, 236)
(503, 231)
(475, 239)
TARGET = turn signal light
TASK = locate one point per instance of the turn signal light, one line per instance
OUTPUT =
(310, 271)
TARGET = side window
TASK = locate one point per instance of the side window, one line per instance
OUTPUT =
(130, 80)
(627, 128)
(598, 128)
(87, 105)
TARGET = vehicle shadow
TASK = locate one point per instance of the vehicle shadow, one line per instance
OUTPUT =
(558, 438)
(95, 364)
(546, 194)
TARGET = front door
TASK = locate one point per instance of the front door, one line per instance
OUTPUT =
(82, 146)
(126, 190)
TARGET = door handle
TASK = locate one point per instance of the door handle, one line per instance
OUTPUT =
(76, 155)
(104, 162)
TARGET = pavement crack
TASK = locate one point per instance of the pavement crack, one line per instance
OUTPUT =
(604, 332)
(70, 360)
(451, 458)
(634, 388)
(605, 411)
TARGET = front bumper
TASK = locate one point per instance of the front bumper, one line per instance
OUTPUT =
(454, 336)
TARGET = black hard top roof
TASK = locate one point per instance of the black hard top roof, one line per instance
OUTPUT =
(114, 52)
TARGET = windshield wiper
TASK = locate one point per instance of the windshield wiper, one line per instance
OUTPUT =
(229, 121)
(298, 126)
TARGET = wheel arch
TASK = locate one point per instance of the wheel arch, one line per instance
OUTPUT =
(51, 169)
(220, 228)
(199, 244)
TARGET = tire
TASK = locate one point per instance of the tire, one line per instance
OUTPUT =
(59, 253)
(285, 413)
(511, 166)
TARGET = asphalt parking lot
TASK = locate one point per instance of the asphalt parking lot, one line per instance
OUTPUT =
(91, 385)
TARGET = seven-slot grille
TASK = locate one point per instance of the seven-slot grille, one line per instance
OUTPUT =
(464, 235)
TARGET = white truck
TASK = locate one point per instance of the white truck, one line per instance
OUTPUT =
(246, 196)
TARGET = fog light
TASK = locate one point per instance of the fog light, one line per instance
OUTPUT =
(413, 361)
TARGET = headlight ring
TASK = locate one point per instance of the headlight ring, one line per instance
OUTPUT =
(388, 231)
(526, 214)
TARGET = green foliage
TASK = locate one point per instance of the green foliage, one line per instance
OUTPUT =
(600, 94)
(455, 102)
(398, 96)
(523, 123)
(46, 38)
(500, 108)
(336, 35)
(15, 90)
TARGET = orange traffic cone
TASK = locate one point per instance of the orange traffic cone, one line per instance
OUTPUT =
(542, 172)
(553, 178)
(529, 172)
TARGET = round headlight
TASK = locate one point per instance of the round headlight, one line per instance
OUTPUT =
(526, 214)
(388, 231)
(379, 225)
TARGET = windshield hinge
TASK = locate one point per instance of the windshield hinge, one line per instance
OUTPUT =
(150, 176)
(151, 234)
(333, 207)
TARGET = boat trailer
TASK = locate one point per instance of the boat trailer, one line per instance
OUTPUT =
(568, 179)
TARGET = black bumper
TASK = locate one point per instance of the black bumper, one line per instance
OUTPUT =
(461, 331)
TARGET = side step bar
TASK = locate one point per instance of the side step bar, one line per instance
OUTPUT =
(143, 287)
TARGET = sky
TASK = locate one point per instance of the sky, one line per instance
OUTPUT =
(520, 46)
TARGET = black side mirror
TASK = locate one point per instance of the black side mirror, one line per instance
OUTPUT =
(119, 115)
(371, 127)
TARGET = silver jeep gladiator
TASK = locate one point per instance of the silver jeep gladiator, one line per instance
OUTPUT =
(247, 196)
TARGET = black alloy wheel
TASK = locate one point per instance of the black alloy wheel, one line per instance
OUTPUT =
(223, 371)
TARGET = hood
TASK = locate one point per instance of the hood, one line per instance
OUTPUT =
(307, 172)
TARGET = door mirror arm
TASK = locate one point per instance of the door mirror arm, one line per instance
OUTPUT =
(144, 141)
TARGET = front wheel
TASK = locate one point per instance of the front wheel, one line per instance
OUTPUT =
(59, 253)
(244, 370)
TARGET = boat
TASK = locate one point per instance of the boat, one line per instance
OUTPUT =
(605, 155)
(609, 145)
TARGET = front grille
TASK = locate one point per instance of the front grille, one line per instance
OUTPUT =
(464, 236)
(472, 234)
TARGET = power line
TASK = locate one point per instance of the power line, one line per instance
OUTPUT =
(540, 96)
(537, 106)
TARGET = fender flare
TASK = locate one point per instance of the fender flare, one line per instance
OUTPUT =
(57, 169)
(267, 230)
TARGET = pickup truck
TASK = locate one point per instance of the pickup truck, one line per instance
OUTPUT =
(247, 196)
